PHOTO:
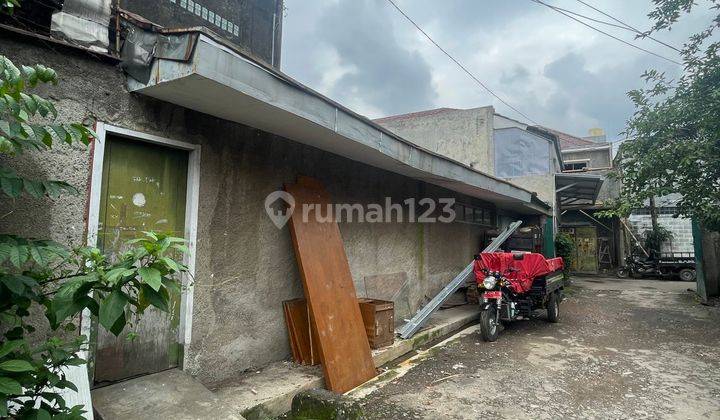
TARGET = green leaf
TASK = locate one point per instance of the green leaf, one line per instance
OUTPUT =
(30, 104)
(159, 299)
(151, 276)
(13, 284)
(37, 255)
(112, 309)
(40, 414)
(10, 346)
(119, 325)
(66, 384)
(61, 133)
(18, 255)
(75, 361)
(9, 386)
(172, 264)
(16, 366)
(4, 252)
(11, 186)
(151, 235)
(6, 146)
(30, 75)
(182, 248)
(34, 188)
(116, 274)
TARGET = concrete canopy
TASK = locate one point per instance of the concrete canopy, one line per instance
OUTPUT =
(577, 189)
(220, 81)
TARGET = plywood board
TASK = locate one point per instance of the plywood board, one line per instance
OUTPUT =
(344, 349)
(291, 334)
(303, 337)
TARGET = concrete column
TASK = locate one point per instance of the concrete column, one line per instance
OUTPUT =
(707, 254)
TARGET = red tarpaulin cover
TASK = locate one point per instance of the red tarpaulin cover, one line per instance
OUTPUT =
(531, 266)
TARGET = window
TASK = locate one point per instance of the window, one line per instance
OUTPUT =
(572, 166)
(33, 15)
(466, 213)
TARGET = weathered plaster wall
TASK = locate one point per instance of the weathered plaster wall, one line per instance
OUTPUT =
(520, 153)
(245, 266)
(464, 135)
(500, 121)
(597, 158)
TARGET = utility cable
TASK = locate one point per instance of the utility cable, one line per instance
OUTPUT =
(605, 33)
(468, 72)
(628, 26)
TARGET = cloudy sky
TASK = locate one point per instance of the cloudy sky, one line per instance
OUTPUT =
(365, 55)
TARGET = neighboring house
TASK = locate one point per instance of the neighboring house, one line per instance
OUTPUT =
(583, 189)
(496, 145)
(196, 127)
(603, 243)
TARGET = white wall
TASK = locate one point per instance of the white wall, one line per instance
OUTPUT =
(681, 228)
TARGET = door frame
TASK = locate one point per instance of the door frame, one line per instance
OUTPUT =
(597, 262)
(191, 217)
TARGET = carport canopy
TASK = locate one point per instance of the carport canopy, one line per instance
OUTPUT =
(577, 189)
(216, 79)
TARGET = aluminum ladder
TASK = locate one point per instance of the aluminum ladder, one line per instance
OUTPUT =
(417, 321)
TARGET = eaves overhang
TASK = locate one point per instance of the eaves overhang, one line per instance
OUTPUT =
(577, 189)
(225, 83)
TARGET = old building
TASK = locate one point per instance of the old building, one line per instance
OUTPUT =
(603, 243)
(525, 155)
(196, 126)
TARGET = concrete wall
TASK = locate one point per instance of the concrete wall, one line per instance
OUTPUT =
(500, 121)
(525, 159)
(682, 241)
(543, 185)
(245, 266)
(254, 25)
(597, 158)
(711, 262)
(521, 153)
(464, 135)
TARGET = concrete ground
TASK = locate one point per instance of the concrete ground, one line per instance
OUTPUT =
(622, 349)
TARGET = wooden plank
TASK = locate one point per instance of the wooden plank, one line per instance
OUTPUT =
(291, 334)
(329, 289)
(303, 335)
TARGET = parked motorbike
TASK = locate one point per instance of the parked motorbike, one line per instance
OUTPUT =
(681, 265)
(513, 291)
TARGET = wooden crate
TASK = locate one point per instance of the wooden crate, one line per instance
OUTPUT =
(379, 319)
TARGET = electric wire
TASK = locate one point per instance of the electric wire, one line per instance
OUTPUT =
(468, 72)
(627, 26)
(605, 33)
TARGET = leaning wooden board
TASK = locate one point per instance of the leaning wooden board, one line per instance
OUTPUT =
(325, 272)
(303, 336)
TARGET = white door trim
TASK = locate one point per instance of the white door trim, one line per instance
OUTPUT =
(191, 215)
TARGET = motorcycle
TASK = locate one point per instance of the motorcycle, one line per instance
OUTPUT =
(514, 285)
(678, 264)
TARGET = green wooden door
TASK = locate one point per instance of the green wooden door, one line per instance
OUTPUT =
(144, 188)
(586, 244)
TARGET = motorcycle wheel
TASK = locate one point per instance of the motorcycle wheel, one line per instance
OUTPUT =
(489, 324)
(687, 274)
(553, 308)
(622, 272)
